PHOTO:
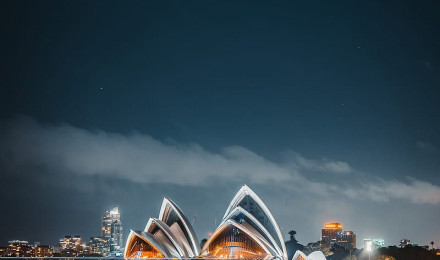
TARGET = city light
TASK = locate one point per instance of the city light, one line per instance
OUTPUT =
(369, 246)
(234, 238)
(333, 225)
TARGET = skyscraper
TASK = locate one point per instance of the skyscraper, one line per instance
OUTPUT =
(112, 229)
(332, 234)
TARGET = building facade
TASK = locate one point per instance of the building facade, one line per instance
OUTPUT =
(43, 251)
(332, 234)
(347, 239)
(18, 248)
(112, 230)
(100, 245)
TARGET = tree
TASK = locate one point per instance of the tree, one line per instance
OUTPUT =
(432, 244)
(339, 252)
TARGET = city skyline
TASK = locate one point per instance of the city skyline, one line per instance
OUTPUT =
(328, 110)
(109, 243)
(110, 217)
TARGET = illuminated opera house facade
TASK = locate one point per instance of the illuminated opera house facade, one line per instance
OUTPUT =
(247, 231)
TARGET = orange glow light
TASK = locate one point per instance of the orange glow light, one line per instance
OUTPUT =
(333, 226)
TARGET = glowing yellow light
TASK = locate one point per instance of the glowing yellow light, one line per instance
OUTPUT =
(333, 226)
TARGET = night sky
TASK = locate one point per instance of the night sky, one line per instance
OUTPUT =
(329, 110)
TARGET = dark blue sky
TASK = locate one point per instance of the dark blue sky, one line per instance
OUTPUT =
(350, 81)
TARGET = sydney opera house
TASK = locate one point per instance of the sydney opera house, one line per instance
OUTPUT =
(247, 231)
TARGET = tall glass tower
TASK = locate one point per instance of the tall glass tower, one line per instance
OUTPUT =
(112, 229)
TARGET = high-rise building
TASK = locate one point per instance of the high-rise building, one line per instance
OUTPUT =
(332, 234)
(112, 229)
(347, 239)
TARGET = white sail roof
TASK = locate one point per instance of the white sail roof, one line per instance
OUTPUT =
(317, 255)
(250, 201)
(241, 215)
(171, 214)
(249, 232)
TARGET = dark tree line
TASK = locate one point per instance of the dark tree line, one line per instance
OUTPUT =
(385, 253)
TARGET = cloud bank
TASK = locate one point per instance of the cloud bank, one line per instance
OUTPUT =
(26, 144)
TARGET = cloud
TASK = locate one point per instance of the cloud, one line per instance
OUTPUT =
(298, 161)
(426, 147)
(137, 157)
(413, 191)
(26, 144)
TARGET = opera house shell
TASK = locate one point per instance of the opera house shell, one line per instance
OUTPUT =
(247, 231)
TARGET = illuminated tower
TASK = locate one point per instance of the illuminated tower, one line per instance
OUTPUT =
(331, 232)
(112, 229)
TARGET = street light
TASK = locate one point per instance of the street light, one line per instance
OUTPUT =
(369, 248)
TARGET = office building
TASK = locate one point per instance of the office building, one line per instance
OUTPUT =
(347, 239)
(112, 229)
(332, 234)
